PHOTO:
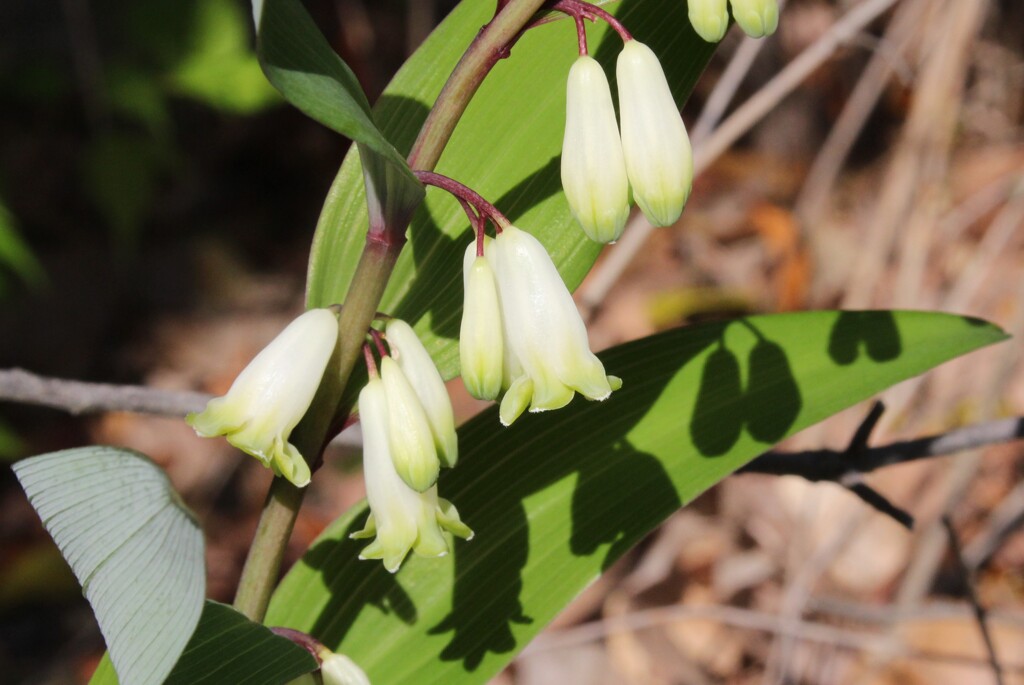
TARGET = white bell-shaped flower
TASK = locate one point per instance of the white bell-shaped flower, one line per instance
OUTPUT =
(401, 519)
(425, 379)
(543, 330)
(481, 345)
(709, 18)
(593, 168)
(757, 18)
(272, 394)
(409, 437)
(659, 161)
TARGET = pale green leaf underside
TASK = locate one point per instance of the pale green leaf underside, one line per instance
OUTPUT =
(507, 147)
(133, 546)
(229, 648)
(559, 496)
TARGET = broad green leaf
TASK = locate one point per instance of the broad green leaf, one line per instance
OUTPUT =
(300, 63)
(559, 496)
(132, 544)
(229, 648)
(506, 147)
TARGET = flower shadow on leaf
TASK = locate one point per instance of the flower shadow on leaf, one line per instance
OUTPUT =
(766, 405)
(617, 495)
(623, 472)
(874, 331)
(376, 587)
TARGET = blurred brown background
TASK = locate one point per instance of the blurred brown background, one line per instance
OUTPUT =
(156, 206)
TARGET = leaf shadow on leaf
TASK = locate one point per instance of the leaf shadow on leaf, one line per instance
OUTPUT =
(874, 331)
(438, 256)
(767, 404)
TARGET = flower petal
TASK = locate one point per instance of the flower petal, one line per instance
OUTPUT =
(409, 438)
(272, 394)
(757, 18)
(593, 168)
(709, 18)
(543, 328)
(426, 381)
(481, 347)
(401, 519)
(659, 160)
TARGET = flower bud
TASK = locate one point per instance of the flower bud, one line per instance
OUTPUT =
(659, 161)
(338, 669)
(409, 437)
(335, 669)
(593, 169)
(272, 394)
(757, 18)
(426, 381)
(709, 18)
(481, 348)
(401, 519)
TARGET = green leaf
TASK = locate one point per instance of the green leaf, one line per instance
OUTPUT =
(299, 62)
(229, 648)
(506, 147)
(131, 543)
(556, 498)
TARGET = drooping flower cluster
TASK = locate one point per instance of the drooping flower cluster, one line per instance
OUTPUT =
(650, 151)
(408, 430)
(272, 393)
(408, 434)
(710, 18)
(521, 333)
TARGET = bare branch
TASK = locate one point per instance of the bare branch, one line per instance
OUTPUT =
(833, 465)
(78, 397)
(849, 466)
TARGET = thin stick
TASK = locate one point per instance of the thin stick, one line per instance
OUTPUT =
(79, 397)
(980, 615)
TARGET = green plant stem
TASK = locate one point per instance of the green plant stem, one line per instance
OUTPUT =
(489, 46)
(259, 575)
(281, 508)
